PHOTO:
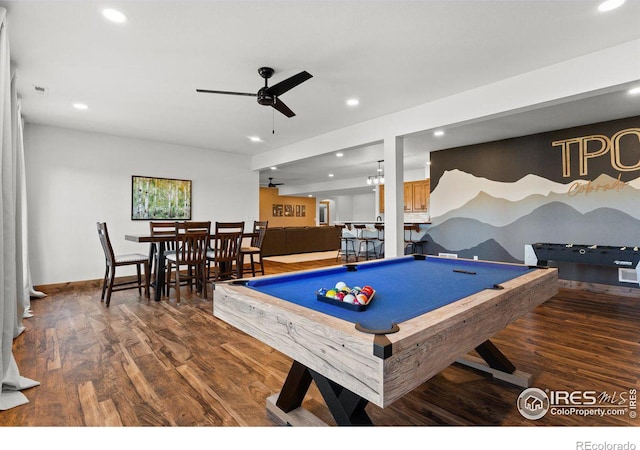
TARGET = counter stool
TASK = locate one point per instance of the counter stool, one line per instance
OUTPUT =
(367, 241)
(380, 229)
(411, 243)
(344, 244)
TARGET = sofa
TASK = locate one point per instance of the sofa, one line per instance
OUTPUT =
(291, 240)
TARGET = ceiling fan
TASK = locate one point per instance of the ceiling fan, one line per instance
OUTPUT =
(268, 95)
(272, 184)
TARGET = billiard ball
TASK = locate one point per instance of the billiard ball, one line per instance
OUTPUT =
(340, 295)
(362, 299)
(349, 298)
(340, 285)
(322, 291)
(331, 293)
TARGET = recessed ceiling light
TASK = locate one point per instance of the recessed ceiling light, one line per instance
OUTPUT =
(255, 139)
(353, 102)
(609, 5)
(114, 15)
(438, 133)
(634, 91)
(274, 168)
(339, 155)
(330, 175)
(80, 106)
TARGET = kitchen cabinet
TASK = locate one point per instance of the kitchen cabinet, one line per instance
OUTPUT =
(416, 196)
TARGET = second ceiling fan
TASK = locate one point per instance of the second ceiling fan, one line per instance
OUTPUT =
(268, 95)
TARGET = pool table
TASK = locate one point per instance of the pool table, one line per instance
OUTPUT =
(427, 312)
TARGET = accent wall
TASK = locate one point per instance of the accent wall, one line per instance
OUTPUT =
(572, 186)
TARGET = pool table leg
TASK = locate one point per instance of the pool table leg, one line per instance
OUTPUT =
(497, 364)
(295, 388)
(346, 407)
(494, 357)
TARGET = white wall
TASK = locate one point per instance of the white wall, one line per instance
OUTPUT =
(364, 206)
(343, 210)
(77, 178)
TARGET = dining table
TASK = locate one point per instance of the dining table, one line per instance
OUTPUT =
(161, 244)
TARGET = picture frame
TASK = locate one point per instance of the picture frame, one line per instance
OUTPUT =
(277, 210)
(154, 198)
(288, 210)
(298, 211)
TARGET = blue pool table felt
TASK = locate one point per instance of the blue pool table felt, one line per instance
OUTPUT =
(406, 287)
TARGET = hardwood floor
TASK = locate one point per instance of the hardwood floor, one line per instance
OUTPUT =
(140, 363)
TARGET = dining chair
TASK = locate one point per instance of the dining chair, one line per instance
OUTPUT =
(254, 248)
(112, 261)
(190, 227)
(224, 253)
(160, 229)
(191, 252)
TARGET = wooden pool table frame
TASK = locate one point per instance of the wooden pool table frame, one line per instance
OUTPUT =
(352, 368)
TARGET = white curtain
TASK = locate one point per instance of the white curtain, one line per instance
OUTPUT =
(13, 275)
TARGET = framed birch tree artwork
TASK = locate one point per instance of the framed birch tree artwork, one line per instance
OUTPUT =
(160, 198)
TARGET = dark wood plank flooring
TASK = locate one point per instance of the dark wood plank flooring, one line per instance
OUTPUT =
(158, 364)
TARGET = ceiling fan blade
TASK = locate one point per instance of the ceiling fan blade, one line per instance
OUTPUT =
(291, 82)
(226, 92)
(280, 106)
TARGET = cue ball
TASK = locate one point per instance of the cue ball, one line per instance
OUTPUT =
(340, 285)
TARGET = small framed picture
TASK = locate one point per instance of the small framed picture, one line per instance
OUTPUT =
(277, 210)
(298, 210)
(288, 210)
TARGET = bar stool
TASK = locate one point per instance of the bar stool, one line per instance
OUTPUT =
(344, 244)
(367, 241)
(380, 229)
(411, 243)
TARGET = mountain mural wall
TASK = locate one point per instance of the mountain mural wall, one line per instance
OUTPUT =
(479, 214)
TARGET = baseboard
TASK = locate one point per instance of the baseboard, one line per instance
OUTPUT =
(620, 291)
(60, 287)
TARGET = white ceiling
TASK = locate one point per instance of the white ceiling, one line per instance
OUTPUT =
(139, 79)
